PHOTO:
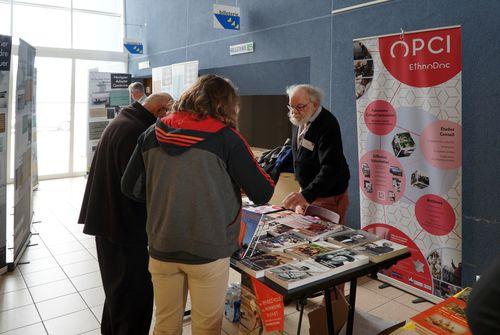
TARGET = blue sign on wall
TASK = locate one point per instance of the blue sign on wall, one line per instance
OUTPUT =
(134, 47)
(226, 17)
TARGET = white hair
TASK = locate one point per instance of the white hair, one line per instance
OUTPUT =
(136, 87)
(315, 94)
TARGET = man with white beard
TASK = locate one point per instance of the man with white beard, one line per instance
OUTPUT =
(319, 163)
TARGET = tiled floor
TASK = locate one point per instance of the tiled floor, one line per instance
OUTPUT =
(60, 291)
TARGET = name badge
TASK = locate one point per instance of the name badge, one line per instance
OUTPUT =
(308, 144)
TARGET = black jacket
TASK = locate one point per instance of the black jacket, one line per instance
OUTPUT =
(322, 172)
(105, 211)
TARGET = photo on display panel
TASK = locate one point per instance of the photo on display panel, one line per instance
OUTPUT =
(363, 68)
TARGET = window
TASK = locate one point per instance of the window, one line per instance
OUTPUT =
(63, 28)
(4, 19)
(53, 114)
(51, 28)
(110, 6)
(97, 32)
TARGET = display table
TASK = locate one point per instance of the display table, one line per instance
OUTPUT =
(326, 284)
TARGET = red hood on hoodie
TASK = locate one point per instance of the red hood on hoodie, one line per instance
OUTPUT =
(182, 129)
(186, 120)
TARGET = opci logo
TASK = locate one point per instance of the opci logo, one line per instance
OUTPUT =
(418, 44)
(423, 59)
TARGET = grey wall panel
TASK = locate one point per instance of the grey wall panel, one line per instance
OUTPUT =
(255, 15)
(282, 43)
(254, 78)
(167, 25)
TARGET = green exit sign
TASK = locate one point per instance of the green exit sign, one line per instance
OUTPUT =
(241, 48)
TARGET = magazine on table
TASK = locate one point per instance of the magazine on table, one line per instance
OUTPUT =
(297, 274)
(257, 264)
(281, 242)
(318, 230)
(310, 250)
(352, 238)
(381, 250)
(342, 260)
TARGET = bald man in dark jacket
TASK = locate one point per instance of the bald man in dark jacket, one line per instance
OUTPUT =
(118, 223)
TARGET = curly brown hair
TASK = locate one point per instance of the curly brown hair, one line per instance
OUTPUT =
(213, 96)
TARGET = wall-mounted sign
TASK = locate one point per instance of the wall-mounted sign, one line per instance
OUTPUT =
(226, 17)
(134, 47)
(241, 48)
(143, 65)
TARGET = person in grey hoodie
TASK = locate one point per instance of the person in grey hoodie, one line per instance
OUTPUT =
(190, 168)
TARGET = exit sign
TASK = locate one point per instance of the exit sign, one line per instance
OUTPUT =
(241, 48)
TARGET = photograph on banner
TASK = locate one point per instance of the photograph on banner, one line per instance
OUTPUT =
(409, 121)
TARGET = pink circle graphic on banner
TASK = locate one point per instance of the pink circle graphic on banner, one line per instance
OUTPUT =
(423, 59)
(414, 270)
(381, 177)
(435, 215)
(380, 117)
(441, 144)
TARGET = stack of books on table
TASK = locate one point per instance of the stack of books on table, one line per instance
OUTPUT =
(310, 270)
(445, 318)
(295, 250)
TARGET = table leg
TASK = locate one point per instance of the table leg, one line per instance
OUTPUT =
(329, 312)
(352, 306)
(301, 303)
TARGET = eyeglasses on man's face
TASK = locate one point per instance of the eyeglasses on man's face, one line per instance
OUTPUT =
(298, 108)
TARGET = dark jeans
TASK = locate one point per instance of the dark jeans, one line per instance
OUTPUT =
(128, 306)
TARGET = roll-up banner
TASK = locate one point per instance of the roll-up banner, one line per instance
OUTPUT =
(409, 118)
(23, 211)
(107, 93)
(5, 61)
(34, 145)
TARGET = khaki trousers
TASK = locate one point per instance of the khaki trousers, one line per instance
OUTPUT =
(207, 285)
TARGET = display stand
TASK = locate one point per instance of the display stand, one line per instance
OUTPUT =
(5, 61)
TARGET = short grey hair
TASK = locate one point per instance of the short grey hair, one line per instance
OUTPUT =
(315, 93)
(137, 86)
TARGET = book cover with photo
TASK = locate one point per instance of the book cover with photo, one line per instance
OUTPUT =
(310, 250)
(342, 260)
(297, 221)
(281, 242)
(317, 231)
(297, 274)
(257, 264)
(280, 229)
(276, 216)
(381, 250)
(445, 318)
(352, 238)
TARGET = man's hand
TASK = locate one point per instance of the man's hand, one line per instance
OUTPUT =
(295, 202)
